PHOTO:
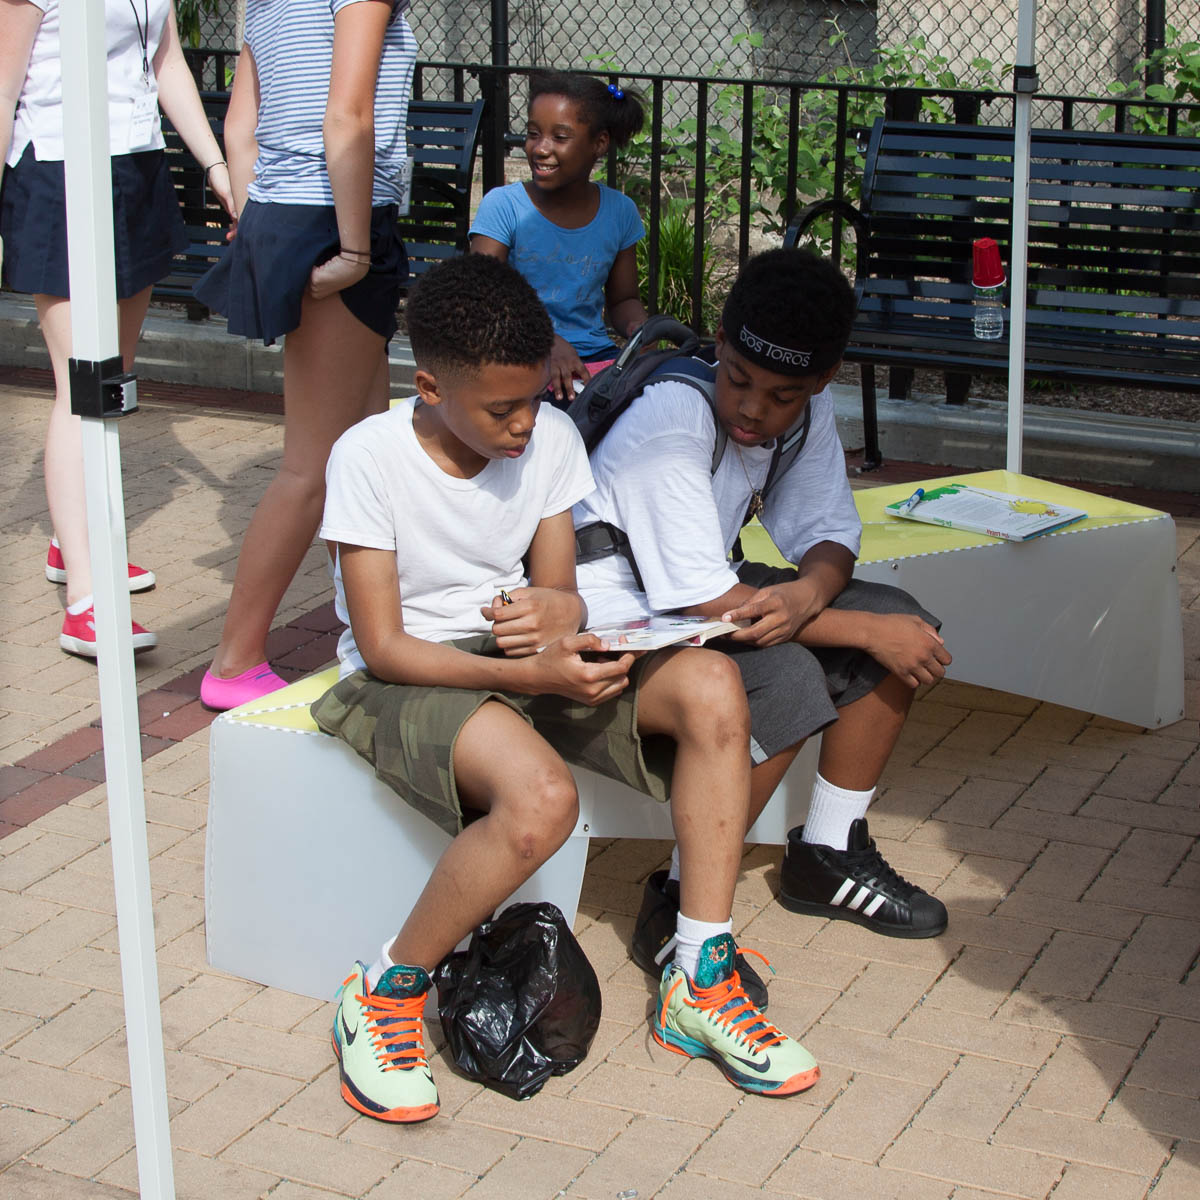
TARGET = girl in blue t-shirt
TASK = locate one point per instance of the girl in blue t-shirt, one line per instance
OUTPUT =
(571, 238)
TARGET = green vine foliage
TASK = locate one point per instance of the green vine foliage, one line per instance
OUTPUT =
(1179, 62)
(188, 13)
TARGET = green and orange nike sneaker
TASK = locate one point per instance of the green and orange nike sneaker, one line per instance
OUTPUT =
(712, 1017)
(380, 1044)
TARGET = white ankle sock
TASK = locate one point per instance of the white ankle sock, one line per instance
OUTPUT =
(673, 873)
(831, 812)
(80, 606)
(690, 936)
(380, 965)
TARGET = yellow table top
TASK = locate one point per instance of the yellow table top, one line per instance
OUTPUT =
(886, 537)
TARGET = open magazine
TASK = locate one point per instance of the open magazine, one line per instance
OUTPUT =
(652, 633)
(978, 510)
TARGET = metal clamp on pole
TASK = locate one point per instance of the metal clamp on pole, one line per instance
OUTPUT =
(101, 389)
(1025, 79)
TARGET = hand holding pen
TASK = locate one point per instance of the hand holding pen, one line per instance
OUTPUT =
(533, 618)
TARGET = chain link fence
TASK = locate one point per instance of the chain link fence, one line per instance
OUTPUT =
(1082, 45)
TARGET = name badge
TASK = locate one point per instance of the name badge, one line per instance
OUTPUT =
(404, 185)
(143, 121)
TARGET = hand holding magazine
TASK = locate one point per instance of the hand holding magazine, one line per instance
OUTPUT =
(978, 510)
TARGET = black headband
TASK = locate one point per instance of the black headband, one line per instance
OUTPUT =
(759, 349)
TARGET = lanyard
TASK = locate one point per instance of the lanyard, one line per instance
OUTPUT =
(143, 34)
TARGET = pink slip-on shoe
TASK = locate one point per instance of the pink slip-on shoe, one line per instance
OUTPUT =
(79, 634)
(222, 694)
(140, 579)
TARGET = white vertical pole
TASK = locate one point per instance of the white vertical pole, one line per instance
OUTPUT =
(94, 337)
(1019, 267)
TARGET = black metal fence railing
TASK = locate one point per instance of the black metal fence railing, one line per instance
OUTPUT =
(724, 163)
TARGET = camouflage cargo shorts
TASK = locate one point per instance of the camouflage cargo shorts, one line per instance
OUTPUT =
(407, 733)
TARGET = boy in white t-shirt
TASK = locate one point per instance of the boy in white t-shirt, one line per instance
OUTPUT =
(823, 651)
(467, 687)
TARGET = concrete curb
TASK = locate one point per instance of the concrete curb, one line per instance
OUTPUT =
(173, 349)
(1059, 442)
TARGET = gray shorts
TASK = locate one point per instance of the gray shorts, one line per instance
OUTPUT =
(796, 690)
(407, 733)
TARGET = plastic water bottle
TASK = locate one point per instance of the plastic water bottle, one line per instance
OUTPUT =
(988, 278)
(989, 313)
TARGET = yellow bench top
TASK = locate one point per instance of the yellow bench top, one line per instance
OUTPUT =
(886, 537)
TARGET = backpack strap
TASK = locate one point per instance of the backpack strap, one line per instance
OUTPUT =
(599, 539)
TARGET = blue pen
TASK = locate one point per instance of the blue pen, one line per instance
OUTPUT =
(911, 502)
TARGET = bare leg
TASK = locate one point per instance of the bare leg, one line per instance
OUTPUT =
(504, 767)
(697, 698)
(856, 747)
(765, 777)
(333, 370)
(63, 464)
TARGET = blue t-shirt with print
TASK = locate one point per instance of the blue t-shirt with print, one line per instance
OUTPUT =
(568, 268)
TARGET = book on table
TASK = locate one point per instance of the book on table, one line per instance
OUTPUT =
(653, 633)
(979, 510)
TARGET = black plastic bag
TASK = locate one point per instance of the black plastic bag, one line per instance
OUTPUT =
(521, 1003)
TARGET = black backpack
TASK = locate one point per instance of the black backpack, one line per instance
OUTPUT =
(611, 391)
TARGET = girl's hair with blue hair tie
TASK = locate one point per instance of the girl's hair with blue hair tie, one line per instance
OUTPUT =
(603, 105)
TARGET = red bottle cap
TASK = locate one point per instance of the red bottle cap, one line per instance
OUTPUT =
(989, 271)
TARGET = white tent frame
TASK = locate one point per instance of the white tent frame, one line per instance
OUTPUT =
(94, 339)
(1025, 84)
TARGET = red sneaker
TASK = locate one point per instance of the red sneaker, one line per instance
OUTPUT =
(140, 579)
(79, 634)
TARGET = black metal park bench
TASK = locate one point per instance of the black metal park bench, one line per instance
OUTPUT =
(443, 136)
(1113, 288)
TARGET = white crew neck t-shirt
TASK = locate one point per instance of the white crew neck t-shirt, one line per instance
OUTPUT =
(457, 541)
(654, 480)
(39, 116)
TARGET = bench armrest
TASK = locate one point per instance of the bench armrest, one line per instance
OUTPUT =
(807, 215)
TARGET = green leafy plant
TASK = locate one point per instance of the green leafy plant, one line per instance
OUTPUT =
(676, 242)
(1179, 63)
(187, 15)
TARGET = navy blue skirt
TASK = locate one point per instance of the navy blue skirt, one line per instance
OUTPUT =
(260, 282)
(148, 230)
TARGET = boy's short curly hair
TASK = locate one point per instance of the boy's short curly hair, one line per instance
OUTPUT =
(473, 310)
(791, 310)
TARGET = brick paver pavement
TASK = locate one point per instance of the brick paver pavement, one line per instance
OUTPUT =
(1047, 1044)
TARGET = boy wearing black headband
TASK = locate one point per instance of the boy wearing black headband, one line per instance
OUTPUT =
(822, 651)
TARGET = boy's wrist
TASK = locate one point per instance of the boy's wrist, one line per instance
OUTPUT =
(520, 675)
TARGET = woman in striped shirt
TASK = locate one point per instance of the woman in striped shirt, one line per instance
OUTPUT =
(316, 142)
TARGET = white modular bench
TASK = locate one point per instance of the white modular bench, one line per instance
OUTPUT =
(312, 862)
(1087, 617)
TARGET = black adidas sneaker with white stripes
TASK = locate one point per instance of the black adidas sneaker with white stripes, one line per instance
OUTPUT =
(857, 885)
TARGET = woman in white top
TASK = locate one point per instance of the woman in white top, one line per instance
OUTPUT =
(146, 71)
(317, 142)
